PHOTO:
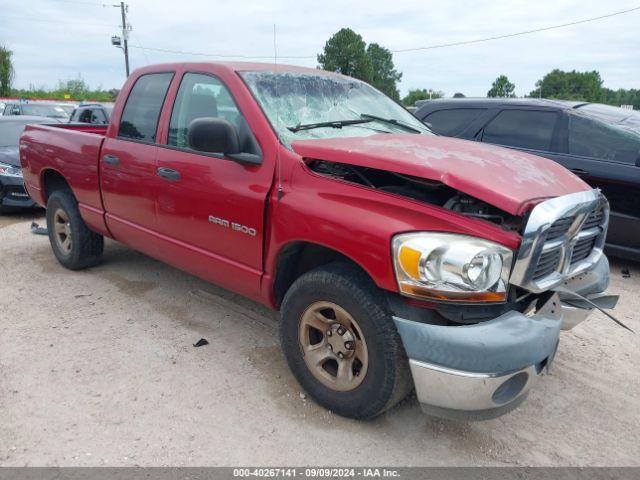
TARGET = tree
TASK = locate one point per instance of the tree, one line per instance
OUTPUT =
(76, 87)
(459, 95)
(502, 87)
(573, 85)
(621, 97)
(384, 76)
(420, 94)
(6, 71)
(345, 52)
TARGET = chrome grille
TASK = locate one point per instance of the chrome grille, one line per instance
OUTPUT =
(563, 237)
(548, 263)
(582, 249)
(559, 228)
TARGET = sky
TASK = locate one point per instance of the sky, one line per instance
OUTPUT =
(55, 40)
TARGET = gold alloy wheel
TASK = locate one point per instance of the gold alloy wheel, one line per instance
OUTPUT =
(333, 346)
(62, 231)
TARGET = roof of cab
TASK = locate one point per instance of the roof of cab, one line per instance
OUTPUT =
(237, 67)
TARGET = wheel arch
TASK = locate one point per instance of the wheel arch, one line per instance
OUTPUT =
(298, 257)
(51, 181)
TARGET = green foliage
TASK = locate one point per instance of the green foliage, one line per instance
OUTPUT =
(583, 86)
(420, 94)
(571, 85)
(384, 76)
(6, 71)
(76, 89)
(502, 88)
(621, 97)
(347, 53)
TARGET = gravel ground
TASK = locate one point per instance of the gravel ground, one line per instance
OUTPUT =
(97, 368)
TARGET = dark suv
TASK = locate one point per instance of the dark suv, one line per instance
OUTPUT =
(599, 143)
(95, 113)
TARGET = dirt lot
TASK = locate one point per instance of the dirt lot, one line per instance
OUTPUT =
(98, 368)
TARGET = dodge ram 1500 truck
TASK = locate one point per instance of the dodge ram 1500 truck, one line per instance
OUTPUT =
(398, 259)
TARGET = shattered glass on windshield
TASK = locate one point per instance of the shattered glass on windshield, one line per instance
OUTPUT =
(292, 99)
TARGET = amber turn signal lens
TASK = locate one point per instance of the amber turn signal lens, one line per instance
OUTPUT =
(410, 261)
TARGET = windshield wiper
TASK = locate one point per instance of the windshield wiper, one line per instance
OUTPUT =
(391, 121)
(334, 124)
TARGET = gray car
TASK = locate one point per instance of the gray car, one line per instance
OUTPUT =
(12, 193)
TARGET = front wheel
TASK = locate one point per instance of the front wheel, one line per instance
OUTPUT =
(341, 344)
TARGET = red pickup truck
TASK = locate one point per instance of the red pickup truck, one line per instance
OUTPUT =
(398, 259)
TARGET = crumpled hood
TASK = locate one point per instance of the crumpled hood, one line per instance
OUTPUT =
(10, 155)
(507, 179)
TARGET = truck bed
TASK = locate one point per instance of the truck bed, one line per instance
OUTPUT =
(70, 152)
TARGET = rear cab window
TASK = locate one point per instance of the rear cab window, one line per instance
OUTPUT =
(529, 129)
(452, 122)
(142, 110)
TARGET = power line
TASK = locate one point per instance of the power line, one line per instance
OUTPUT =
(80, 2)
(219, 55)
(402, 50)
(46, 20)
(526, 32)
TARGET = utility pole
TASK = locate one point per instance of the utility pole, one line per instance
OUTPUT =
(125, 36)
(123, 42)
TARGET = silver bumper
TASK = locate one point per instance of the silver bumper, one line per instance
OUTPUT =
(456, 390)
(484, 370)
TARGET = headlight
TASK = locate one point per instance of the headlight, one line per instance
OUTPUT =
(450, 267)
(10, 170)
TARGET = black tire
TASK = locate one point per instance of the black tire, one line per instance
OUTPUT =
(86, 246)
(387, 380)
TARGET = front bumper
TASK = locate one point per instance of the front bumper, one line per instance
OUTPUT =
(482, 371)
(13, 193)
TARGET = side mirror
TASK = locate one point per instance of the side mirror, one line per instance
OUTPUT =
(213, 135)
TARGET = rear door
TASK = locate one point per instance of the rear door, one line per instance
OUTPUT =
(531, 130)
(210, 208)
(128, 163)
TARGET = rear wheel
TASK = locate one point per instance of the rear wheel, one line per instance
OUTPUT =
(341, 344)
(74, 245)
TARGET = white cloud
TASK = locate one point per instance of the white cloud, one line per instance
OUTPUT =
(76, 37)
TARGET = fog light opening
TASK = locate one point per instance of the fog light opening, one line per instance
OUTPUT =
(510, 388)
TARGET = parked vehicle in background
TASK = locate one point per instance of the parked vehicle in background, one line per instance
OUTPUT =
(317, 195)
(68, 108)
(599, 143)
(13, 196)
(37, 109)
(94, 113)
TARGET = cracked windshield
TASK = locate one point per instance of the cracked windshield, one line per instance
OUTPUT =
(304, 106)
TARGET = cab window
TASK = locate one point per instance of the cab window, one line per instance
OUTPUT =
(141, 112)
(200, 96)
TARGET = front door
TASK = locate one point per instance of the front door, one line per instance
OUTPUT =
(211, 209)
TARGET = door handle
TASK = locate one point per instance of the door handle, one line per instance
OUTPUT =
(168, 173)
(111, 159)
